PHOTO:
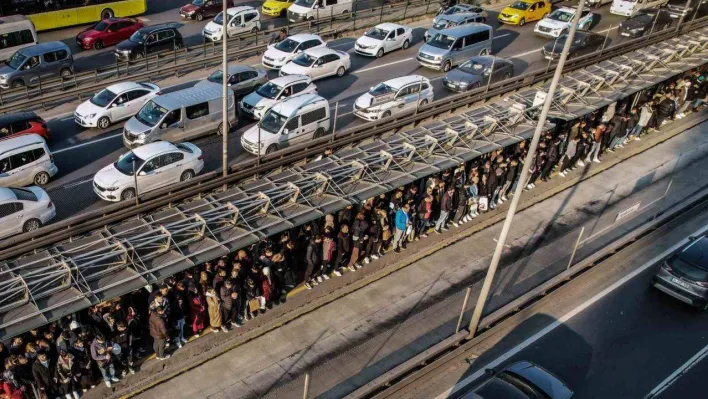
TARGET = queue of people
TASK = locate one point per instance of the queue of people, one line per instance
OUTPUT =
(107, 342)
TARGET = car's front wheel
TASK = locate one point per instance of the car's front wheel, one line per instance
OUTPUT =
(103, 122)
(127, 194)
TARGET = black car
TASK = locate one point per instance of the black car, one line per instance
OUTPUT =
(645, 21)
(475, 72)
(684, 275)
(584, 42)
(149, 40)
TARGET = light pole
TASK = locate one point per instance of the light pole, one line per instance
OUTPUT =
(481, 301)
(225, 92)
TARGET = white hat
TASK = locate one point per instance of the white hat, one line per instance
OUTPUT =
(74, 325)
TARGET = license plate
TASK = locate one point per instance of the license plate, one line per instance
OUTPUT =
(625, 34)
(679, 282)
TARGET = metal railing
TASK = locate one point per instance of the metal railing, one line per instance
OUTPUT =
(112, 213)
(181, 60)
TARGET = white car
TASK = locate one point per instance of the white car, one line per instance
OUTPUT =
(114, 103)
(281, 53)
(318, 63)
(256, 104)
(384, 38)
(242, 19)
(157, 164)
(395, 96)
(558, 22)
(24, 209)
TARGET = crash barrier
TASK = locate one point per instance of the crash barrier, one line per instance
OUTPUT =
(181, 60)
(173, 231)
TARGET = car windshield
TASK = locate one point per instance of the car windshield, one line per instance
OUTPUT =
(442, 24)
(561, 39)
(498, 388)
(150, 114)
(269, 90)
(101, 26)
(125, 163)
(219, 18)
(16, 61)
(473, 67)
(381, 89)
(103, 98)
(520, 5)
(24, 194)
(198, 2)
(376, 33)
(216, 77)
(644, 18)
(304, 59)
(138, 37)
(562, 16)
(272, 122)
(693, 261)
(452, 10)
(287, 45)
(305, 3)
(442, 41)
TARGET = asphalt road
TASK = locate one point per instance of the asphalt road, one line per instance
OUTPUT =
(80, 152)
(623, 345)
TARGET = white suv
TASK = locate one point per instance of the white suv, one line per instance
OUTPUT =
(24, 209)
(394, 96)
(256, 104)
(558, 22)
(157, 165)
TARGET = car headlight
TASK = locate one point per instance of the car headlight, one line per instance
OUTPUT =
(141, 136)
(89, 116)
(438, 57)
(112, 188)
(280, 59)
(4, 76)
(259, 107)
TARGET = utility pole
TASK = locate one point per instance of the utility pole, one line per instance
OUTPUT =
(225, 86)
(481, 301)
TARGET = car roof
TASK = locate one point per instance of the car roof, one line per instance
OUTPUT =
(487, 59)
(292, 104)
(458, 31)
(568, 9)
(288, 79)
(301, 37)
(239, 68)
(459, 16)
(6, 119)
(6, 194)
(41, 48)
(20, 141)
(189, 96)
(123, 86)
(153, 28)
(399, 82)
(238, 9)
(320, 51)
(389, 26)
(152, 149)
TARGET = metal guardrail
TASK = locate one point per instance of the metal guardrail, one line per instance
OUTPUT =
(57, 90)
(460, 342)
(113, 213)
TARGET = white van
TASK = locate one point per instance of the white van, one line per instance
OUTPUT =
(308, 10)
(25, 160)
(16, 32)
(242, 19)
(628, 8)
(293, 121)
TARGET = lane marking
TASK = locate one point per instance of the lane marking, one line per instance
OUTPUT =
(545, 331)
(78, 183)
(676, 375)
(87, 143)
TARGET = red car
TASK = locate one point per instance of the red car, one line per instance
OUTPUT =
(19, 123)
(107, 32)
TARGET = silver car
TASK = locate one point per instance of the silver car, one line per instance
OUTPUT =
(242, 79)
(24, 209)
(684, 275)
(451, 47)
(451, 21)
(39, 63)
(520, 380)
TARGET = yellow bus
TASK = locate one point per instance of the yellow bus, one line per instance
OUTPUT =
(53, 14)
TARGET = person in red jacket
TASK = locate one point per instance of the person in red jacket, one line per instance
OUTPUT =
(10, 388)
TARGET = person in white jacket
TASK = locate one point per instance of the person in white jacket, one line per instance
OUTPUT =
(645, 114)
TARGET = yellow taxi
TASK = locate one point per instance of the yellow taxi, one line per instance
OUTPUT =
(276, 8)
(523, 11)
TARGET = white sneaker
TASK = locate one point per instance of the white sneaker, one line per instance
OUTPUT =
(337, 273)
(184, 341)
(308, 286)
(596, 160)
(505, 199)
(358, 265)
(581, 163)
(325, 277)
(108, 384)
(319, 279)
(115, 379)
(179, 345)
(366, 260)
(455, 224)
(352, 269)
(637, 139)
(561, 174)
(374, 256)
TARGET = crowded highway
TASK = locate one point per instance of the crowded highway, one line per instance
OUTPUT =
(83, 142)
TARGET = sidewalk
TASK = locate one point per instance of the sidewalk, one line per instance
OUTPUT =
(346, 343)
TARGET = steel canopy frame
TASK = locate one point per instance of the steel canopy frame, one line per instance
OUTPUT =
(118, 259)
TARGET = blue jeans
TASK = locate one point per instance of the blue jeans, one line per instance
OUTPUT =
(107, 371)
(180, 330)
(441, 220)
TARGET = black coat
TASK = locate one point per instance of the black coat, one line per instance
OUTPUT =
(43, 376)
